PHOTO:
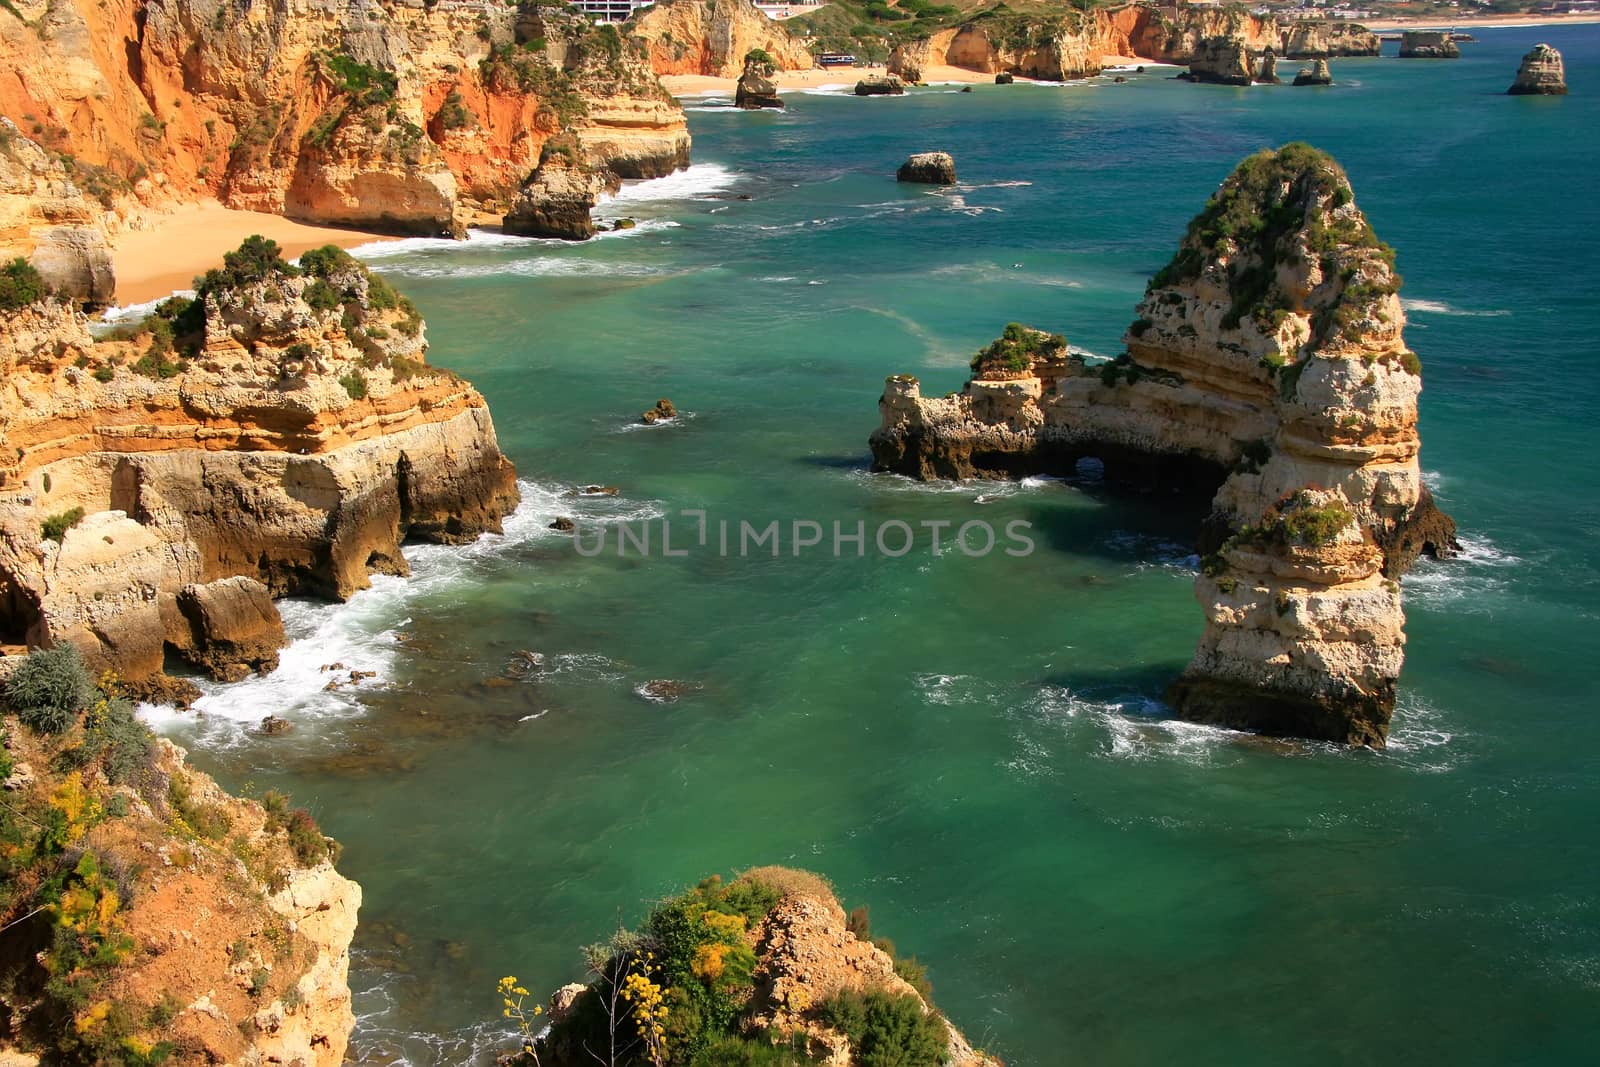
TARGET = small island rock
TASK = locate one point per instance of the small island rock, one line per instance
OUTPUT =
(886, 85)
(1005, 77)
(929, 168)
(1428, 44)
(1542, 74)
(756, 89)
(1316, 74)
(662, 410)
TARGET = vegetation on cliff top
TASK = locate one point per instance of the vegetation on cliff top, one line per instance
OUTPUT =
(20, 285)
(680, 990)
(1272, 203)
(90, 799)
(1015, 351)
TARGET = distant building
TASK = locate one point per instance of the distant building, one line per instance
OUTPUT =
(620, 10)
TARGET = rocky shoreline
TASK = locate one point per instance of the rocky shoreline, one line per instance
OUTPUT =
(1266, 359)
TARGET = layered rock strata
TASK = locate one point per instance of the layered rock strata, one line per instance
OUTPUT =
(1542, 73)
(47, 218)
(407, 117)
(713, 37)
(282, 432)
(1267, 359)
(1428, 44)
(1075, 44)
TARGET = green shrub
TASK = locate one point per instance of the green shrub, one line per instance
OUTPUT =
(323, 262)
(257, 259)
(1016, 349)
(321, 296)
(454, 115)
(56, 526)
(368, 85)
(20, 285)
(306, 839)
(886, 1030)
(104, 373)
(915, 975)
(49, 688)
(1411, 363)
(206, 820)
(1315, 525)
(355, 383)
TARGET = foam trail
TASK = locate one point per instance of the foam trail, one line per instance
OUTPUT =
(690, 184)
(1439, 307)
(111, 318)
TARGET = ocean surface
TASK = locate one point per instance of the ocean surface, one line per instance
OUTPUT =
(975, 746)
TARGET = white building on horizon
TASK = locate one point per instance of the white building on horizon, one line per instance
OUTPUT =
(621, 10)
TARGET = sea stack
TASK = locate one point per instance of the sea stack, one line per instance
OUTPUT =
(756, 89)
(929, 168)
(1267, 71)
(1542, 74)
(1221, 61)
(1316, 74)
(558, 197)
(1267, 360)
(1428, 44)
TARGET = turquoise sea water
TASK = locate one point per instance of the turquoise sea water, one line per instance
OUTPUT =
(976, 747)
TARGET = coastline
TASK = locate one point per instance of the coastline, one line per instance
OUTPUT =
(844, 77)
(155, 262)
(1482, 22)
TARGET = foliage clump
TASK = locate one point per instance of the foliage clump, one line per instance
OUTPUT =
(20, 285)
(887, 1030)
(1297, 521)
(49, 688)
(1016, 349)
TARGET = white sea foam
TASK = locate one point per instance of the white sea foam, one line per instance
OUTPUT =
(528, 267)
(476, 240)
(367, 632)
(111, 318)
(1439, 307)
(1474, 581)
(1134, 727)
(697, 181)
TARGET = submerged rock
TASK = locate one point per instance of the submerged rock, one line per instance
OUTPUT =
(1542, 73)
(272, 726)
(882, 85)
(563, 524)
(665, 690)
(929, 168)
(1428, 44)
(1316, 74)
(1291, 390)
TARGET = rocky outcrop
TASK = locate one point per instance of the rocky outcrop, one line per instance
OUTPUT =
(1267, 360)
(285, 428)
(557, 199)
(1316, 74)
(885, 85)
(713, 37)
(929, 168)
(413, 119)
(1267, 69)
(225, 928)
(1005, 77)
(1541, 74)
(756, 89)
(46, 218)
(1222, 61)
(1074, 43)
(1428, 44)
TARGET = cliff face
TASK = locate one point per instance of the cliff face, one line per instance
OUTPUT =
(190, 927)
(1428, 44)
(1072, 45)
(712, 37)
(46, 217)
(406, 116)
(1268, 359)
(283, 429)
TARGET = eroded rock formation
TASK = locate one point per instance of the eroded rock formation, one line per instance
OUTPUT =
(46, 217)
(408, 117)
(1316, 74)
(557, 198)
(1541, 74)
(756, 89)
(283, 429)
(929, 168)
(713, 37)
(1267, 359)
(1428, 44)
(887, 85)
(1222, 61)
(1074, 44)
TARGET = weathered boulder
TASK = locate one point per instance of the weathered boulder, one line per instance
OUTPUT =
(929, 168)
(557, 199)
(880, 85)
(756, 89)
(663, 410)
(1278, 377)
(1316, 74)
(1542, 73)
(234, 627)
(1428, 44)
(1005, 77)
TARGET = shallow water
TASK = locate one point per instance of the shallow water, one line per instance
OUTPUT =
(976, 746)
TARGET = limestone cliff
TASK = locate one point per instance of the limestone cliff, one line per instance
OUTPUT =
(1428, 44)
(394, 114)
(1268, 360)
(48, 218)
(283, 428)
(1073, 44)
(1540, 74)
(162, 920)
(713, 37)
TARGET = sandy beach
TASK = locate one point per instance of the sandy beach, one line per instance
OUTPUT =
(1481, 22)
(843, 77)
(153, 263)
